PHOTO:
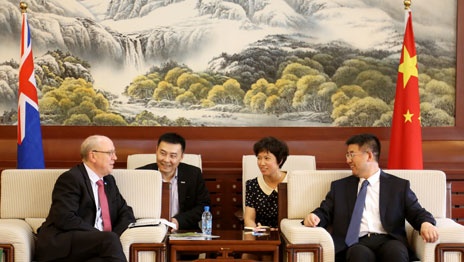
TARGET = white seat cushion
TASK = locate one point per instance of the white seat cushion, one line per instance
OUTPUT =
(34, 223)
(18, 233)
(142, 190)
(429, 187)
(151, 234)
(27, 192)
(312, 186)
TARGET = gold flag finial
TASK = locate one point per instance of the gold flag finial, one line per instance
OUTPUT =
(23, 7)
(407, 4)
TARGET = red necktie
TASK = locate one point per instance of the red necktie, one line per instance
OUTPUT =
(105, 211)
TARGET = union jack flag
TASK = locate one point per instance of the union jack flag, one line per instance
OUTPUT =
(30, 149)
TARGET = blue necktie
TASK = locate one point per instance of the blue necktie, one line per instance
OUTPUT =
(352, 235)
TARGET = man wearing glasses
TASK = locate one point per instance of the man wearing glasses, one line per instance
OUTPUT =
(367, 210)
(88, 214)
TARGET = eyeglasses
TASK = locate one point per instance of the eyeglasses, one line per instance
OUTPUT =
(110, 153)
(350, 155)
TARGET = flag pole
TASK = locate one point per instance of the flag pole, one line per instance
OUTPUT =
(23, 7)
(407, 5)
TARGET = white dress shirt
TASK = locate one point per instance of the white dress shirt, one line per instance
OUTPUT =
(174, 193)
(370, 221)
(93, 182)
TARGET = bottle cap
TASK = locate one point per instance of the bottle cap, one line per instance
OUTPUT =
(206, 208)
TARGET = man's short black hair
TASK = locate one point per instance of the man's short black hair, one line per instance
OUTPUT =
(271, 144)
(370, 141)
(172, 138)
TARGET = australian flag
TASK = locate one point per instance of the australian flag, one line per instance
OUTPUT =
(30, 150)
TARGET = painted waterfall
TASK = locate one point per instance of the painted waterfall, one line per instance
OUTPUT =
(227, 62)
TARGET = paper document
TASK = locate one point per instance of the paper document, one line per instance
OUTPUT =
(256, 233)
(168, 223)
(260, 228)
(190, 236)
(152, 222)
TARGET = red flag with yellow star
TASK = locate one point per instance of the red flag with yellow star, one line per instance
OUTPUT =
(406, 137)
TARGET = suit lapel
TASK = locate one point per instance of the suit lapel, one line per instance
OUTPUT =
(352, 193)
(383, 195)
(181, 185)
(108, 184)
(86, 178)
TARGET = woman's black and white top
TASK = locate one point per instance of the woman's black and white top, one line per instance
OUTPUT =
(263, 199)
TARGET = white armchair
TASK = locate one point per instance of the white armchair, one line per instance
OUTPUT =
(315, 244)
(137, 160)
(26, 198)
(143, 192)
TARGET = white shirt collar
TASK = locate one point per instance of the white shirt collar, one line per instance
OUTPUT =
(92, 175)
(173, 178)
(373, 180)
(265, 187)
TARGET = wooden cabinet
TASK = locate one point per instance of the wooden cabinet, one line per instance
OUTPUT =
(457, 201)
(226, 198)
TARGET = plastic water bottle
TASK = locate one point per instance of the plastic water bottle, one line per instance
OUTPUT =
(206, 221)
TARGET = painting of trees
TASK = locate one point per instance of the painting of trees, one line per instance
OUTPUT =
(75, 102)
(327, 86)
(352, 91)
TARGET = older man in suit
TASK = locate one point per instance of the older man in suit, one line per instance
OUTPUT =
(189, 194)
(88, 214)
(367, 210)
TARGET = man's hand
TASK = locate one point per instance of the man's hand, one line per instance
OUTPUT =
(429, 232)
(311, 220)
(173, 220)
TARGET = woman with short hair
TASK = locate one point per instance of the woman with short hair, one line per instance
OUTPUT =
(261, 192)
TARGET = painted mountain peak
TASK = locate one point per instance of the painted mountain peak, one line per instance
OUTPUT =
(217, 42)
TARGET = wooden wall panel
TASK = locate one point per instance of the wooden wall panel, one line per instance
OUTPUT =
(222, 148)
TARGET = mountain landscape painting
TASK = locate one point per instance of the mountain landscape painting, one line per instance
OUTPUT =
(289, 63)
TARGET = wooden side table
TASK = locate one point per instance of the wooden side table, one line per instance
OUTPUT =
(229, 244)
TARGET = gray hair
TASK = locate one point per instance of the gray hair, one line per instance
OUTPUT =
(89, 144)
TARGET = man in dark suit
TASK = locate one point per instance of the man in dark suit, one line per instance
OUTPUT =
(88, 214)
(379, 233)
(189, 194)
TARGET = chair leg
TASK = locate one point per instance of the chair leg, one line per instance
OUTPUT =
(292, 250)
(8, 252)
(448, 247)
(158, 248)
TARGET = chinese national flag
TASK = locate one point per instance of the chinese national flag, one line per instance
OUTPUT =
(406, 138)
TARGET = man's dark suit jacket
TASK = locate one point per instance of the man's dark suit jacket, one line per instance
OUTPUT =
(192, 193)
(397, 203)
(74, 209)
